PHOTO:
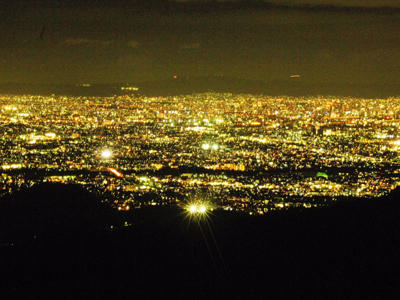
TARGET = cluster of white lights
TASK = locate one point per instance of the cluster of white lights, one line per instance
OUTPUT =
(197, 209)
(207, 146)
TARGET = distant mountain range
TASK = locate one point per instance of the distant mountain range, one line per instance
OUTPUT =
(219, 84)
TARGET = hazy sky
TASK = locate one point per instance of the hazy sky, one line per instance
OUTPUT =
(132, 41)
(363, 3)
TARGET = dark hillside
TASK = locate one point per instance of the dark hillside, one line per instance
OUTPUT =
(345, 251)
(50, 209)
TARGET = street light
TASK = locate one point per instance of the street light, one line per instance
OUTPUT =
(106, 154)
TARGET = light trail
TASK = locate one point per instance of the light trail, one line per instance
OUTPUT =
(115, 172)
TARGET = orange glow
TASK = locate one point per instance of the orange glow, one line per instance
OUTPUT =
(118, 174)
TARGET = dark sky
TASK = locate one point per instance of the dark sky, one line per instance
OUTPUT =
(131, 41)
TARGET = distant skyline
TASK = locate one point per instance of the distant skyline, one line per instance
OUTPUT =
(134, 41)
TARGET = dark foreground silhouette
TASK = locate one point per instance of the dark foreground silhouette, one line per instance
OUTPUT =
(347, 251)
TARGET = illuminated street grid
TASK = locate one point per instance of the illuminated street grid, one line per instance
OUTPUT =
(234, 152)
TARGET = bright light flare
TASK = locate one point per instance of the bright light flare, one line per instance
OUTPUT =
(106, 153)
(197, 208)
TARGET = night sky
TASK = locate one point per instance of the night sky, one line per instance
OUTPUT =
(134, 41)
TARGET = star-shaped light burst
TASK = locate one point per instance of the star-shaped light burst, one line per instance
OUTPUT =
(106, 154)
(197, 210)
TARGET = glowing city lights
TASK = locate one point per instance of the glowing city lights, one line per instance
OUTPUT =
(144, 151)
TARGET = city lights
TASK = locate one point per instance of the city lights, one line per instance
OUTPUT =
(230, 147)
